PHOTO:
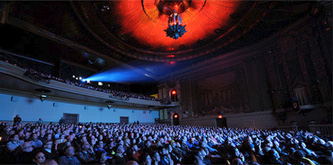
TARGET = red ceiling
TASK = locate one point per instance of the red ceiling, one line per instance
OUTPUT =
(201, 19)
(135, 28)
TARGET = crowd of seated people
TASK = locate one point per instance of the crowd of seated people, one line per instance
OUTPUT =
(159, 144)
(41, 77)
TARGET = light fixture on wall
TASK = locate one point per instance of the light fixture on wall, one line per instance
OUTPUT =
(151, 108)
(13, 99)
(109, 104)
(55, 104)
(42, 97)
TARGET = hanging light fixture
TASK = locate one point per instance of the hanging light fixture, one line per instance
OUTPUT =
(173, 9)
(176, 28)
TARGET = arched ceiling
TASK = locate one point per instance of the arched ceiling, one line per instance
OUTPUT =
(135, 28)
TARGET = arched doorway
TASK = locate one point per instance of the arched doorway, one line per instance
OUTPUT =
(174, 119)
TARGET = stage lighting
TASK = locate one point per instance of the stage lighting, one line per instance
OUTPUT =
(85, 80)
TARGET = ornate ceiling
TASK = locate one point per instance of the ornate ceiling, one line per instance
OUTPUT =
(100, 35)
(136, 28)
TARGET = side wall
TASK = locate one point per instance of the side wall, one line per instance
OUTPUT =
(292, 66)
(31, 109)
(208, 122)
(258, 120)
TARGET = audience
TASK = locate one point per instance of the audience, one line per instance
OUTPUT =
(106, 143)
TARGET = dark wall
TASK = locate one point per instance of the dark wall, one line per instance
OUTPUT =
(295, 63)
(237, 89)
(299, 65)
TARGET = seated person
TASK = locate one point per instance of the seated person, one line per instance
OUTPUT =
(120, 157)
(301, 159)
(87, 153)
(165, 156)
(39, 157)
(308, 152)
(102, 158)
(14, 143)
(99, 147)
(69, 158)
(26, 154)
(274, 157)
(49, 151)
(36, 143)
(156, 158)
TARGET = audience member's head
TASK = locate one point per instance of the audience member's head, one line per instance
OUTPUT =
(69, 151)
(49, 162)
(39, 157)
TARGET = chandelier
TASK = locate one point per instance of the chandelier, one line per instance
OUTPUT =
(176, 28)
(173, 9)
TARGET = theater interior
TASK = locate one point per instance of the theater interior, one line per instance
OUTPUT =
(205, 74)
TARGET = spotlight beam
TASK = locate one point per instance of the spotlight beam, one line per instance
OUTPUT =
(136, 69)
